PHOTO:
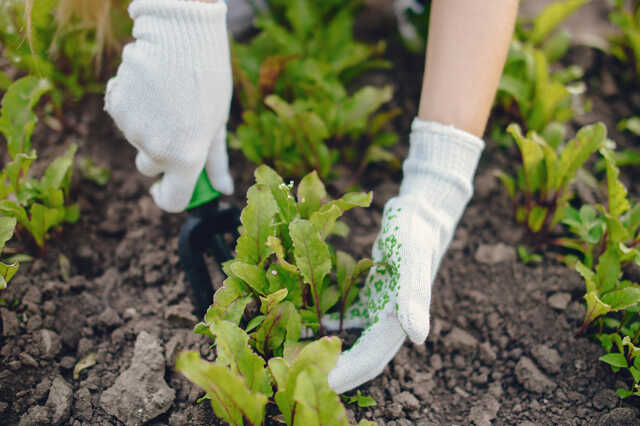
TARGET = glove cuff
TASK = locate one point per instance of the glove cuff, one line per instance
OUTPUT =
(440, 166)
(185, 32)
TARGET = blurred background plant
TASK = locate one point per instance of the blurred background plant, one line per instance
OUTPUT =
(73, 43)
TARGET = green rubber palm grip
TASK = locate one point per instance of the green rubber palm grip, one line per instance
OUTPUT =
(203, 192)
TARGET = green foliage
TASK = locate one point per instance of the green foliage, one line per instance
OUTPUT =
(529, 92)
(626, 45)
(7, 269)
(37, 204)
(93, 172)
(623, 353)
(541, 190)
(360, 400)
(284, 265)
(292, 82)
(607, 237)
(527, 257)
(66, 42)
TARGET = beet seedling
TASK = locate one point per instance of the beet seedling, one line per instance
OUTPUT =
(529, 92)
(607, 236)
(542, 189)
(67, 42)
(627, 357)
(292, 81)
(37, 204)
(290, 276)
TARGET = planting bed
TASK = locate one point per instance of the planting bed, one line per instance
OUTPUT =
(502, 347)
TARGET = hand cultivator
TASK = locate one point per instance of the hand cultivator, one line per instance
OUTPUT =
(204, 231)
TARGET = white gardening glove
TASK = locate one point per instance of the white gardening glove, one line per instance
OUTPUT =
(172, 93)
(417, 227)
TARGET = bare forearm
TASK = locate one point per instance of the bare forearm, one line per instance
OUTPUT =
(467, 46)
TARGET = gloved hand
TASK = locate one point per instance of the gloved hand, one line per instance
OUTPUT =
(172, 93)
(417, 227)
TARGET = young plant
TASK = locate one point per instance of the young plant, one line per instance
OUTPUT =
(626, 45)
(626, 358)
(66, 41)
(529, 92)
(284, 266)
(608, 241)
(528, 257)
(292, 83)
(541, 190)
(37, 204)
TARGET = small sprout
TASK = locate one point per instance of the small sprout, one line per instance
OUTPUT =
(65, 267)
(528, 257)
(86, 362)
(360, 400)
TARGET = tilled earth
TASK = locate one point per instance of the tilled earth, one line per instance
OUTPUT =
(502, 347)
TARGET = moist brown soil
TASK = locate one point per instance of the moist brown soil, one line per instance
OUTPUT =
(502, 348)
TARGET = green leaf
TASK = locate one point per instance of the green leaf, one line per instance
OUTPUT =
(588, 140)
(7, 271)
(229, 303)
(353, 199)
(354, 112)
(18, 168)
(276, 245)
(588, 275)
(58, 173)
(230, 396)
(251, 274)
(93, 172)
(631, 124)
(537, 215)
(595, 307)
(311, 254)
(532, 159)
(280, 191)
(17, 119)
(311, 194)
(282, 323)
(623, 298)
(617, 193)
(270, 301)
(313, 364)
(360, 400)
(280, 278)
(614, 360)
(554, 134)
(233, 350)
(608, 270)
(325, 218)
(7, 225)
(552, 16)
(257, 219)
(557, 46)
(508, 182)
(624, 393)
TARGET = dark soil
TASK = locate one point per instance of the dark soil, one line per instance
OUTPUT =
(502, 348)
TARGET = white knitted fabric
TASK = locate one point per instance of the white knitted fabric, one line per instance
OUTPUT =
(417, 227)
(172, 93)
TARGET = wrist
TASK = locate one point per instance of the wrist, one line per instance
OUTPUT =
(184, 32)
(441, 165)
